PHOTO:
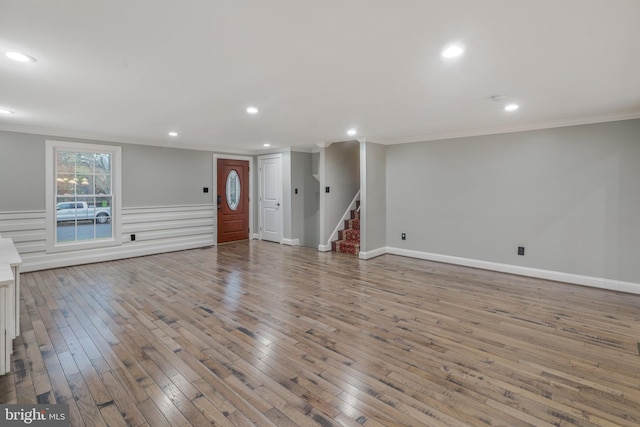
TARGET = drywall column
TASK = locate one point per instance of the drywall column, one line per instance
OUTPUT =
(312, 204)
(373, 200)
(322, 246)
(287, 219)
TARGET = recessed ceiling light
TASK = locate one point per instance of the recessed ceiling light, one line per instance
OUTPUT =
(173, 133)
(352, 132)
(266, 145)
(511, 107)
(6, 111)
(20, 57)
(252, 110)
(452, 51)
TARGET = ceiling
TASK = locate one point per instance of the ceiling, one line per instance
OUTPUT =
(132, 71)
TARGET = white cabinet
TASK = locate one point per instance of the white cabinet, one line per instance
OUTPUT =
(6, 341)
(10, 262)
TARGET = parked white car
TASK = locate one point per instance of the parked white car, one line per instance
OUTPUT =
(70, 211)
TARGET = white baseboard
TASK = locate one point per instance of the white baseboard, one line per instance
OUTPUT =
(324, 248)
(372, 254)
(595, 282)
(255, 236)
(290, 242)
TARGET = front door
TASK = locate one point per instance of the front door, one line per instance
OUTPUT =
(233, 200)
(271, 197)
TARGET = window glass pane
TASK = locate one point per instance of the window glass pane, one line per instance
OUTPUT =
(233, 190)
(103, 221)
(85, 213)
(103, 209)
(65, 219)
(63, 208)
(66, 162)
(103, 184)
(102, 163)
(85, 184)
(64, 184)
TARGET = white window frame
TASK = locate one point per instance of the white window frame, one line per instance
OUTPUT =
(52, 147)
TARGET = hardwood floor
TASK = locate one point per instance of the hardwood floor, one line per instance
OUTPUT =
(262, 334)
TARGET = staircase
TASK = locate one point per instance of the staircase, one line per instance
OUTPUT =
(349, 238)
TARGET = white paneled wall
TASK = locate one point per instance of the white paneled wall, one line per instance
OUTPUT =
(157, 229)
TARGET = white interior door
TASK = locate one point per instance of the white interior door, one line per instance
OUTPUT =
(270, 197)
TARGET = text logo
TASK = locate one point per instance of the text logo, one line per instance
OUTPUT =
(34, 415)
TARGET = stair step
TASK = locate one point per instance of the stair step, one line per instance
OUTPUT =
(349, 235)
(353, 224)
(345, 247)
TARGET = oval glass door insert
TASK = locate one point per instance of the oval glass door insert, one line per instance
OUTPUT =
(233, 190)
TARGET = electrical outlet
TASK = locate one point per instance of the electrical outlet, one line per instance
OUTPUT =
(205, 189)
(295, 191)
(404, 236)
(326, 189)
(133, 237)
(521, 250)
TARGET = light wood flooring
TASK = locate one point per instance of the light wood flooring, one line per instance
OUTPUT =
(255, 333)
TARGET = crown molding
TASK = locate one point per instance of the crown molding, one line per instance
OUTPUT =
(509, 129)
(323, 144)
(301, 149)
(91, 136)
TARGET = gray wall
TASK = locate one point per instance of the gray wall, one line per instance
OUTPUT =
(151, 176)
(342, 175)
(373, 197)
(154, 176)
(305, 204)
(22, 176)
(569, 195)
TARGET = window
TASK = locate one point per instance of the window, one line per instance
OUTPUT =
(83, 197)
(233, 190)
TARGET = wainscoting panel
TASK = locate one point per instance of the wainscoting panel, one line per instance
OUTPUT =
(26, 229)
(157, 230)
